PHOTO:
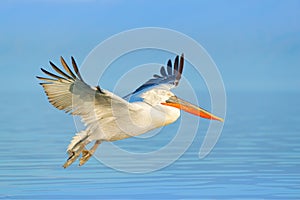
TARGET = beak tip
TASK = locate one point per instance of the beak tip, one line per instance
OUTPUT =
(217, 119)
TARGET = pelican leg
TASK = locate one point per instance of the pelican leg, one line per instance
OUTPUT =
(76, 151)
(86, 154)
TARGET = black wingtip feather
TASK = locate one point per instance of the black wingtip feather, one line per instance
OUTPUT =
(76, 68)
(156, 76)
(163, 71)
(176, 65)
(52, 75)
(59, 71)
(45, 79)
(67, 68)
(181, 63)
(169, 67)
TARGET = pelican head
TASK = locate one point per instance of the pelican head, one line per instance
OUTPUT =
(161, 97)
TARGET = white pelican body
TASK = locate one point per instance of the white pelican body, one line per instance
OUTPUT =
(131, 119)
(108, 117)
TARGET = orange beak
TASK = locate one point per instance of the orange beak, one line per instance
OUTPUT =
(190, 108)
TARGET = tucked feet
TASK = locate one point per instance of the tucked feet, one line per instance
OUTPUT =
(86, 154)
(73, 155)
(71, 159)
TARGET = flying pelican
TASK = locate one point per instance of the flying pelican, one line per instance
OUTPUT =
(108, 117)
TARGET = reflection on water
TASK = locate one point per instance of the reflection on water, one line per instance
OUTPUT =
(257, 156)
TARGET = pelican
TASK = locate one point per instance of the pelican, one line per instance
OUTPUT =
(108, 117)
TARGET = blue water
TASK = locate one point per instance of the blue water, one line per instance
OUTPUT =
(256, 157)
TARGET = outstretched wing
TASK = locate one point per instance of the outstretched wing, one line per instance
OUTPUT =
(168, 78)
(67, 91)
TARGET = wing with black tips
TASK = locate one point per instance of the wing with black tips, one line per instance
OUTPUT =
(67, 91)
(169, 76)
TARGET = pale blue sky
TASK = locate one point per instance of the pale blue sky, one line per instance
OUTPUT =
(255, 44)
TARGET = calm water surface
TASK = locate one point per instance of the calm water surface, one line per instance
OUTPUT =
(257, 156)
